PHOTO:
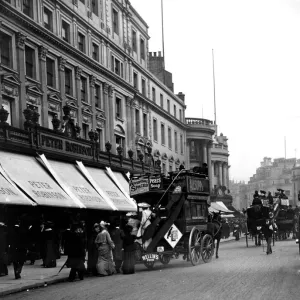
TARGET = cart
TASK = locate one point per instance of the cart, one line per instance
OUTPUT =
(180, 226)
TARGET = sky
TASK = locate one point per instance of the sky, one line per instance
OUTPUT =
(257, 70)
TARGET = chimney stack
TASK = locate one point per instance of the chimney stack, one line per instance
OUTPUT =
(181, 96)
(159, 53)
(154, 54)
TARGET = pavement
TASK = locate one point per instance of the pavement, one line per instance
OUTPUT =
(35, 276)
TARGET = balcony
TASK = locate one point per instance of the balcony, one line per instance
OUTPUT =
(201, 122)
(199, 128)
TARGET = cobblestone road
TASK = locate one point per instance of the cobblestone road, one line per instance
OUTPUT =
(239, 273)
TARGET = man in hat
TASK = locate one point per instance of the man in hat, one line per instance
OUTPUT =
(270, 198)
(256, 199)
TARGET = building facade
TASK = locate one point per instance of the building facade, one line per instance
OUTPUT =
(92, 56)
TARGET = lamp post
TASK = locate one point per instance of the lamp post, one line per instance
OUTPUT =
(28, 114)
(120, 152)
(3, 118)
(130, 154)
(108, 149)
(141, 157)
(55, 122)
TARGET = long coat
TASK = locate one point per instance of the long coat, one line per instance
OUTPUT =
(18, 243)
(117, 237)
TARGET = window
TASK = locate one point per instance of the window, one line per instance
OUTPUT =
(144, 87)
(47, 18)
(142, 45)
(145, 125)
(29, 61)
(181, 144)
(137, 121)
(50, 72)
(169, 138)
(162, 132)
(95, 52)
(97, 96)
(116, 66)
(175, 141)
(175, 111)
(27, 7)
(161, 100)
(134, 41)
(81, 42)
(135, 80)
(83, 88)
(50, 118)
(168, 105)
(95, 7)
(120, 141)
(85, 131)
(170, 168)
(115, 21)
(68, 81)
(155, 129)
(153, 94)
(65, 31)
(164, 168)
(118, 108)
(180, 115)
(6, 103)
(6, 50)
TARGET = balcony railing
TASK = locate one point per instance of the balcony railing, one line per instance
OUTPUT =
(197, 121)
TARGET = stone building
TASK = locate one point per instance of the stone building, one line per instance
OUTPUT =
(92, 56)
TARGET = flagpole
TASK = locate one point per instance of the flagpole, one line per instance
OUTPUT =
(215, 112)
(163, 39)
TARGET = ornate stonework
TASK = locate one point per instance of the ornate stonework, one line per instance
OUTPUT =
(128, 101)
(92, 81)
(78, 72)
(105, 88)
(111, 90)
(62, 63)
(21, 38)
(43, 53)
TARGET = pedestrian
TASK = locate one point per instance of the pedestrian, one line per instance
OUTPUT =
(93, 251)
(128, 266)
(18, 246)
(76, 252)
(33, 245)
(49, 245)
(116, 235)
(3, 250)
(105, 246)
(270, 198)
(134, 222)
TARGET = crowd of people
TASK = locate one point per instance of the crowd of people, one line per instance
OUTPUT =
(106, 249)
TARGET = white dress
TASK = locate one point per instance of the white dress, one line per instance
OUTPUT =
(145, 222)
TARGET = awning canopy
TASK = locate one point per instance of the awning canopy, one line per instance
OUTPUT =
(107, 188)
(10, 194)
(224, 206)
(31, 177)
(228, 216)
(75, 185)
(216, 207)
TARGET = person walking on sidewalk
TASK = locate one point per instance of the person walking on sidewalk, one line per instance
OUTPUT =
(129, 251)
(18, 246)
(3, 250)
(76, 252)
(116, 235)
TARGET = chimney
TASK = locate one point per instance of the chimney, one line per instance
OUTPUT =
(150, 54)
(181, 96)
(159, 53)
(154, 54)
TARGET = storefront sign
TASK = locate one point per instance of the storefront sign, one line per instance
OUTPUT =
(150, 257)
(63, 145)
(155, 182)
(173, 236)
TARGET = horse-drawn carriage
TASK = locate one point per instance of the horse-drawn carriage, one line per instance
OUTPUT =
(179, 223)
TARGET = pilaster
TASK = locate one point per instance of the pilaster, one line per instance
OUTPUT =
(61, 66)
(78, 72)
(128, 123)
(106, 109)
(92, 98)
(204, 151)
(220, 174)
(210, 166)
(111, 118)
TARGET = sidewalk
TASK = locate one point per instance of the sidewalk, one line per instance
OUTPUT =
(36, 276)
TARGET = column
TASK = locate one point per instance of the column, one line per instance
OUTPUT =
(92, 99)
(106, 109)
(126, 73)
(212, 172)
(43, 78)
(133, 121)
(58, 21)
(112, 113)
(224, 174)
(130, 72)
(128, 123)
(227, 175)
(108, 62)
(61, 66)
(78, 72)
(209, 166)
(21, 38)
(220, 173)
(205, 152)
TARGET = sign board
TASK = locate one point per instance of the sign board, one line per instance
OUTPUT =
(173, 236)
(150, 257)
(143, 184)
(198, 185)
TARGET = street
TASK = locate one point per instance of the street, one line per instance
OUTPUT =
(239, 273)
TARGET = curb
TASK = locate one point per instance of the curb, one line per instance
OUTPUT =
(32, 286)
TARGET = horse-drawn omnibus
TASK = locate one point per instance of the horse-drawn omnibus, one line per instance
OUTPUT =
(180, 219)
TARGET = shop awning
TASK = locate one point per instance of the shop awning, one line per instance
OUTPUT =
(10, 194)
(107, 188)
(224, 206)
(121, 182)
(216, 207)
(75, 185)
(33, 179)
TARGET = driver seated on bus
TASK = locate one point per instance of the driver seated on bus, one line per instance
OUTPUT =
(256, 199)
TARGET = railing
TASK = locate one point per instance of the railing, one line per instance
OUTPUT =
(197, 121)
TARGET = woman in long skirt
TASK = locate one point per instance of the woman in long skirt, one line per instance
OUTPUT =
(129, 251)
(93, 251)
(105, 265)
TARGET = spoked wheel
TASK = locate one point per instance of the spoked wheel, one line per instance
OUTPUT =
(164, 259)
(149, 264)
(195, 246)
(207, 248)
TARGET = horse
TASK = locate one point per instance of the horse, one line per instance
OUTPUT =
(216, 224)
